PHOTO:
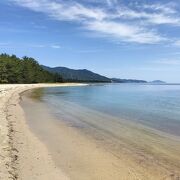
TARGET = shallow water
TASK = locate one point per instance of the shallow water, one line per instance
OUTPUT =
(109, 131)
(156, 106)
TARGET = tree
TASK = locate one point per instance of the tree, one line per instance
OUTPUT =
(25, 70)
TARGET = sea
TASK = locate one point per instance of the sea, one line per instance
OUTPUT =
(109, 131)
(153, 106)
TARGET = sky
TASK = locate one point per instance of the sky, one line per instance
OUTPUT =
(137, 39)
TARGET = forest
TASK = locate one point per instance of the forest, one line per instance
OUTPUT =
(24, 70)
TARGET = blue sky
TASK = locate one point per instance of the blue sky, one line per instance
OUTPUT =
(117, 38)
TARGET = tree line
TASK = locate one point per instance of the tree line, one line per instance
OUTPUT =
(24, 70)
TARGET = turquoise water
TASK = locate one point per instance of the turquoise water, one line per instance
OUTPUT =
(155, 106)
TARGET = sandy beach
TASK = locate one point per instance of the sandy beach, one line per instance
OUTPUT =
(29, 148)
(20, 150)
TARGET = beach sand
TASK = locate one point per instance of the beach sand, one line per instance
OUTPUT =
(22, 154)
(32, 150)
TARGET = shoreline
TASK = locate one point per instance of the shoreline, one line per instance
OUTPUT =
(25, 155)
(87, 153)
(12, 141)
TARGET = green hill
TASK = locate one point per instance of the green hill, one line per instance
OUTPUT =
(28, 70)
(116, 80)
(82, 75)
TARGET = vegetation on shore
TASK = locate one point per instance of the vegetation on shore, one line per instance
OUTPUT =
(117, 80)
(24, 70)
(28, 70)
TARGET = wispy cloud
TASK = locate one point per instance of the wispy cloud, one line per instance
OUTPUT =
(54, 46)
(138, 24)
(63, 10)
(125, 32)
(167, 8)
(38, 45)
(150, 14)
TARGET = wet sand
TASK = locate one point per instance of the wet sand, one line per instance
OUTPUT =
(124, 151)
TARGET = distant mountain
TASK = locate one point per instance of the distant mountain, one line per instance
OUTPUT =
(157, 82)
(116, 80)
(82, 75)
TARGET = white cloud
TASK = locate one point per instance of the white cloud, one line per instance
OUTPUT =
(54, 46)
(119, 21)
(152, 17)
(37, 46)
(62, 10)
(30, 45)
(168, 8)
(125, 32)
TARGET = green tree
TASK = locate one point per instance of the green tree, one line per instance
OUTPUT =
(25, 70)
